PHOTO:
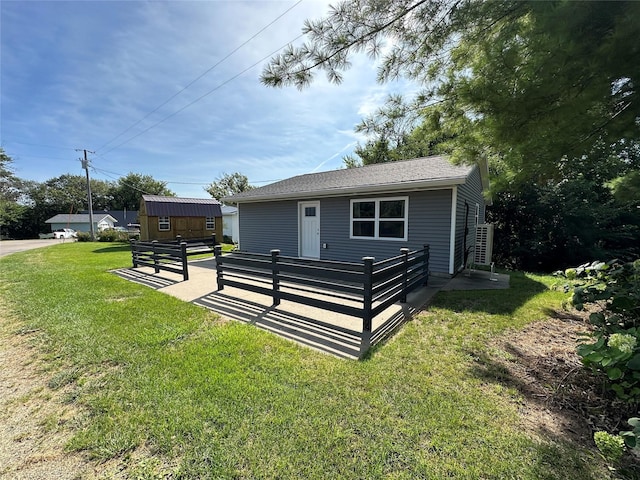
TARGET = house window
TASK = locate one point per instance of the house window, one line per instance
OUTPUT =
(210, 223)
(381, 218)
(309, 211)
(164, 224)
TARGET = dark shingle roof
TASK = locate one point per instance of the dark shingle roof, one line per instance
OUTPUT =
(160, 206)
(123, 217)
(77, 218)
(423, 172)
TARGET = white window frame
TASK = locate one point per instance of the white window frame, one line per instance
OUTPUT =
(210, 223)
(376, 219)
(164, 225)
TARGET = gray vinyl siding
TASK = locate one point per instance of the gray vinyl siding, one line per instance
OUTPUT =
(270, 225)
(471, 193)
(429, 223)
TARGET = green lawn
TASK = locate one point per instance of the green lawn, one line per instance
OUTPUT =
(214, 399)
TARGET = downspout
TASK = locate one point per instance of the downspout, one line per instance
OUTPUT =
(452, 237)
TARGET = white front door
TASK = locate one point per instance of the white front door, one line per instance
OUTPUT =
(309, 222)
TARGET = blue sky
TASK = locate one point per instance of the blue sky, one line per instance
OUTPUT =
(78, 74)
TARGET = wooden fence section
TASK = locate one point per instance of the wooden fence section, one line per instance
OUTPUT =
(360, 290)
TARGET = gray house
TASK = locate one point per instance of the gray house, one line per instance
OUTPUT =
(81, 221)
(374, 211)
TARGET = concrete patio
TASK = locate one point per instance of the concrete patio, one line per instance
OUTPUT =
(330, 332)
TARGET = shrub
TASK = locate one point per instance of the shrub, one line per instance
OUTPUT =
(632, 437)
(111, 235)
(83, 236)
(613, 348)
(611, 446)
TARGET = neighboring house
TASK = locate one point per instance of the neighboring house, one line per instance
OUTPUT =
(230, 222)
(163, 218)
(375, 210)
(81, 222)
(123, 217)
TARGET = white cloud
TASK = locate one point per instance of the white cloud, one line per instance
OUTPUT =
(83, 72)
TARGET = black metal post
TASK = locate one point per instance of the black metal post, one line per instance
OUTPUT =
(405, 259)
(185, 266)
(134, 253)
(217, 251)
(275, 278)
(178, 239)
(425, 264)
(368, 294)
(155, 256)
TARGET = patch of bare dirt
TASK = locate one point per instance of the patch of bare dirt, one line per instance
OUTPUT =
(559, 398)
(34, 419)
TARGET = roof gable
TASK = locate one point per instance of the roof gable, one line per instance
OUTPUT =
(161, 206)
(425, 172)
(79, 218)
(122, 217)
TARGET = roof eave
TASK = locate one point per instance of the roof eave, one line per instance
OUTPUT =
(359, 190)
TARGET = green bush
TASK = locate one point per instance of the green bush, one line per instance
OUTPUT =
(112, 235)
(613, 348)
(611, 446)
(632, 437)
(83, 236)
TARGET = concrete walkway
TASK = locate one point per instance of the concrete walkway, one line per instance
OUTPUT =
(330, 332)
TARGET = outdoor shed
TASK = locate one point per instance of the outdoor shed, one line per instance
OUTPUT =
(81, 222)
(374, 210)
(164, 218)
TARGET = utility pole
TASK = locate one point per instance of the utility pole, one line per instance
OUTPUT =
(85, 165)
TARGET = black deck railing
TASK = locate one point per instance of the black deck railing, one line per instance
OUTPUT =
(170, 255)
(160, 256)
(361, 290)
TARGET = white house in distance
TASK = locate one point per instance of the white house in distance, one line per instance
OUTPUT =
(230, 225)
(80, 221)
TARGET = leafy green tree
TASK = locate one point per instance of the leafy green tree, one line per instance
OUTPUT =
(10, 192)
(529, 83)
(397, 131)
(128, 190)
(64, 194)
(228, 184)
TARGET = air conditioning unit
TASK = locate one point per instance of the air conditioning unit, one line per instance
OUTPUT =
(484, 244)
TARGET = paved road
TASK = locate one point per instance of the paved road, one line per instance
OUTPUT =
(8, 247)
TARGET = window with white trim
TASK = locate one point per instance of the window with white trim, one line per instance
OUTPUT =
(380, 218)
(210, 223)
(164, 224)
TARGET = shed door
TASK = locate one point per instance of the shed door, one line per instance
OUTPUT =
(309, 224)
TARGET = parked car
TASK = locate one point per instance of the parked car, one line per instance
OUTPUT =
(65, 233)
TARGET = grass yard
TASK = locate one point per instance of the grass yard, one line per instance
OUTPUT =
(165, 389)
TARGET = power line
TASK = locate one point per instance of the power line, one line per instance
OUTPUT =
(202, 74)
(41, 145)
(109, 173)
(219, 86)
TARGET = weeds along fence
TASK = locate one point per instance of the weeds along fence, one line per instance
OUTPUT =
(361, 290)
(170, 255)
